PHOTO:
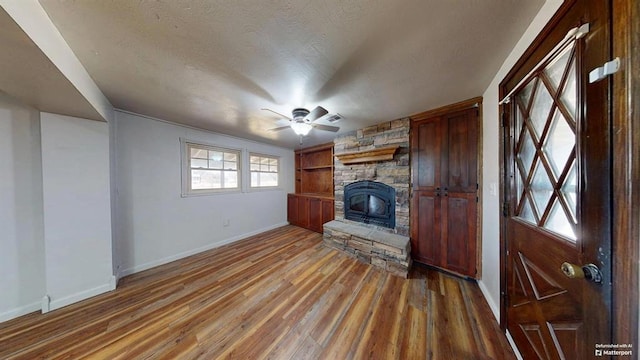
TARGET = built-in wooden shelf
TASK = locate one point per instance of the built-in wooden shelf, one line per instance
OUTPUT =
(312, 204)
(378, 154)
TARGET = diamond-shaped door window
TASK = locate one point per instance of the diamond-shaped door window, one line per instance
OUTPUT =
(524, 95)
(569, 95)
(541, 188)
(527, 213)
(546, 145)
(559, 144)
(558, 222)
(539, 112)
(527, 151)
(556, 68)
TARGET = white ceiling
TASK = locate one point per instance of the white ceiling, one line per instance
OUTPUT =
(215, 64)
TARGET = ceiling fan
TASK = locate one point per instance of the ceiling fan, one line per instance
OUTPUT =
(302, 120)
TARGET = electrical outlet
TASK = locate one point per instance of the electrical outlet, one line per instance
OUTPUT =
(225, 222)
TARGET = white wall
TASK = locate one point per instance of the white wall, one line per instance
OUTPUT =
(154, 223)
(21, 223)
(56, 211)
(76, 207)
(491, 212)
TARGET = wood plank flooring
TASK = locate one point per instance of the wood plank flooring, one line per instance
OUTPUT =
(277, 295)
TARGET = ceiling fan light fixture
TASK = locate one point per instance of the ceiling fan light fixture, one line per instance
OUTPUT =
(301, 128)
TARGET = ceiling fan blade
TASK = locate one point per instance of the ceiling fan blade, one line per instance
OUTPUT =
(280, 128)
(317, 113)
(325, 127)
(277, 113)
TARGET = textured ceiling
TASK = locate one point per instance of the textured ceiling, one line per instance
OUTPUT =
(215, 64)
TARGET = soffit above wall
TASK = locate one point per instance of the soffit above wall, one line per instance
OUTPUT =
(30, 77)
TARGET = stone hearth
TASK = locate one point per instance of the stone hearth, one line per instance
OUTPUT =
(390, 252)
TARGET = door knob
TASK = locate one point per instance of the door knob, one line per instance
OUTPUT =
(589, 272)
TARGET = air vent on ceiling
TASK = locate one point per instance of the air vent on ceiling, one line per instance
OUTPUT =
(333, 118)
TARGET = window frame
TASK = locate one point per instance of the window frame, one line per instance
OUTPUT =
(278, 172)
(187, 189)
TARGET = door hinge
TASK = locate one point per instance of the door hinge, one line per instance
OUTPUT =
(506, 209)
(610, 67)
(477, 199)
(505, 119)
(505, 297)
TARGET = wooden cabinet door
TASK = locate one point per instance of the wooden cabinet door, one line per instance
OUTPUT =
(426, 144)
(444, 190)
(427, 177)
(460, 157)
(460, 186)
(425, 228)
(292, 209)
(309, 212)
(303, 211)
(327, 210)
(459, 233)
(315, 214)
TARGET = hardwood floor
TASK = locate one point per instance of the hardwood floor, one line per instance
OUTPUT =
(278, 295)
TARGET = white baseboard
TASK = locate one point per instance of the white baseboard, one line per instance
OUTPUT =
(19, 311)
(495, 308)
(113, 282)
(82, 295)
(184, 254)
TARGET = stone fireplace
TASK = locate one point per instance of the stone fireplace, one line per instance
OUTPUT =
(371, 187)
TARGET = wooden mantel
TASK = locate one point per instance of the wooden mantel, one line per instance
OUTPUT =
(378, 154)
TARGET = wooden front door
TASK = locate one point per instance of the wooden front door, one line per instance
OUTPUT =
(557, 197)
(444, 182)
